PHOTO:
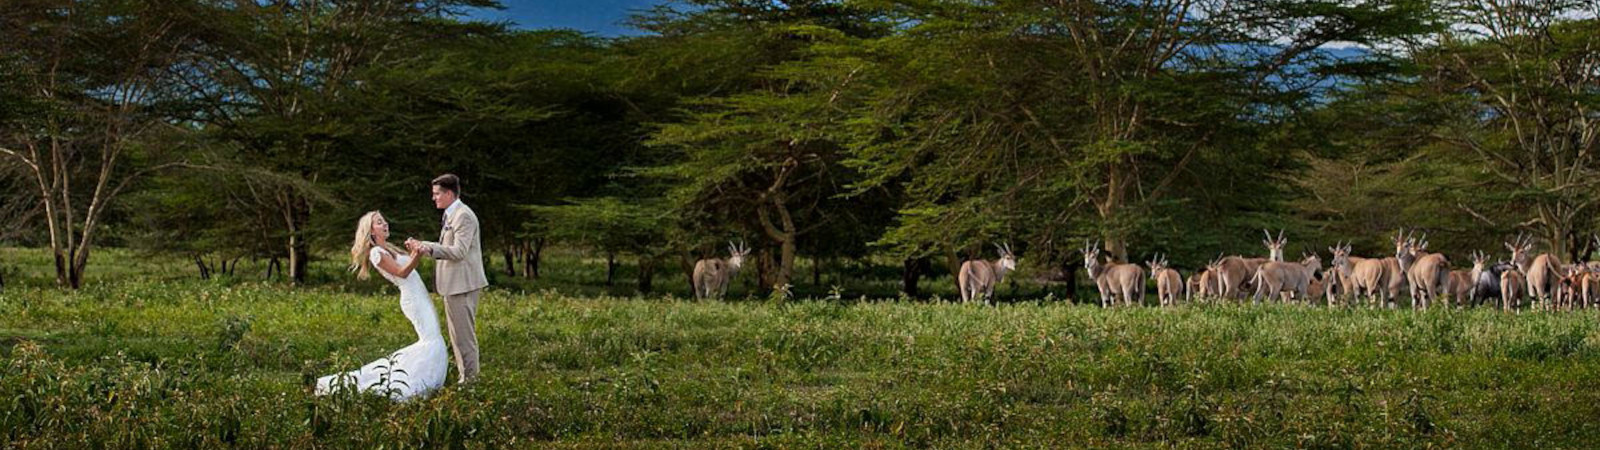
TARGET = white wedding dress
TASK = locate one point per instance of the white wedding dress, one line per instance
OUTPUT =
(412, 371)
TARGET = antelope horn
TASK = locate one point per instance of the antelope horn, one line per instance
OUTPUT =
(1280, 236)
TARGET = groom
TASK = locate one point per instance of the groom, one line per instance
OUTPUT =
(459, 276)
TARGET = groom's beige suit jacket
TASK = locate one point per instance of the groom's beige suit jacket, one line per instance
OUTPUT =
(460, 255)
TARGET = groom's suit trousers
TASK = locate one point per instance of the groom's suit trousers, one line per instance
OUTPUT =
(460, 313)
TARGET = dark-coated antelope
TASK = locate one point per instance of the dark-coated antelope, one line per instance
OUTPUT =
(1169, 283)
(1114, 280)
(979, 277)
(711, 276)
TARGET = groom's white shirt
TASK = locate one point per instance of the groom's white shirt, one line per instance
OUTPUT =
(455, 205)
(447, 211)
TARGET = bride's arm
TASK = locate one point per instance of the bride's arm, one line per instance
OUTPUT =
(387, 263)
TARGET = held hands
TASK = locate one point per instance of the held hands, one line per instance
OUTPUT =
(415, 247)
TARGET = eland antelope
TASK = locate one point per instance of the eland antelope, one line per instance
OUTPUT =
(979, 277)
(711, 276)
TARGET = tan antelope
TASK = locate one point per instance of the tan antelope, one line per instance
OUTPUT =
(1427, 273)
(1335, 284)
(1459, 287)
(1236, 272)
(1114, 280)
(1465, 287)
(1277, 277)
(711, 276)
(1511, 288)
(1169, 283)
(1588, 286)
(979, 277)
(1566, 294)
(1396, 278)
(1211, 280)
(1193, 285)
(1541, 272)
(1367, 277)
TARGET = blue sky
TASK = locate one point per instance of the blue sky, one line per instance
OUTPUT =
(601, 17)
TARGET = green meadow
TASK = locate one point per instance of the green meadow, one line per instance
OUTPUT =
(160, 359)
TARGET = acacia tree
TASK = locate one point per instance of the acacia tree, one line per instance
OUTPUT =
(90, 112)
(1512, 87)
(758, 153)
(272, 78)
(1058, 120)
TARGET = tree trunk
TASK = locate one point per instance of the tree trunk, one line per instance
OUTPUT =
(686, 262)
(1110, 208)
(764, 270)
(611, 268)
(511, 260)
(80, 261)
(61, 268)
(785, 263)
(816, 271)
(531, 256)
(1072, 266)
(911, 270)
(200, 263)
(647, 273)
(298, 258)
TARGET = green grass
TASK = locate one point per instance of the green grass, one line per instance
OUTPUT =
(151, 361)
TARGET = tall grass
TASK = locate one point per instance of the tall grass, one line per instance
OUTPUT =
(145, 362)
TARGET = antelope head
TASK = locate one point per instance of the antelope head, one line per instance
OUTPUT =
(1157, 265)
(736, 254)
(1341, 256)
(1091, 257)
(1519, 250)
(1480, 262)
(1311, 261)
(1405, 249)
(1008, 260)
(1274, 246)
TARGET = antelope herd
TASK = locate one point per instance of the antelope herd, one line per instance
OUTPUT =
(1525, 280)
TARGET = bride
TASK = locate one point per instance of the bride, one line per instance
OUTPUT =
(418, 368)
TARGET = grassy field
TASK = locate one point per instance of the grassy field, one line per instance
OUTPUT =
(146, 356)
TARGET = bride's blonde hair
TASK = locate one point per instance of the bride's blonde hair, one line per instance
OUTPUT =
(359, 261)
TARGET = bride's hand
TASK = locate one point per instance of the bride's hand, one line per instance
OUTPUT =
(417, 250)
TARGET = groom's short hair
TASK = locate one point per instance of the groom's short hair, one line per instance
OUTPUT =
(449, 182)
